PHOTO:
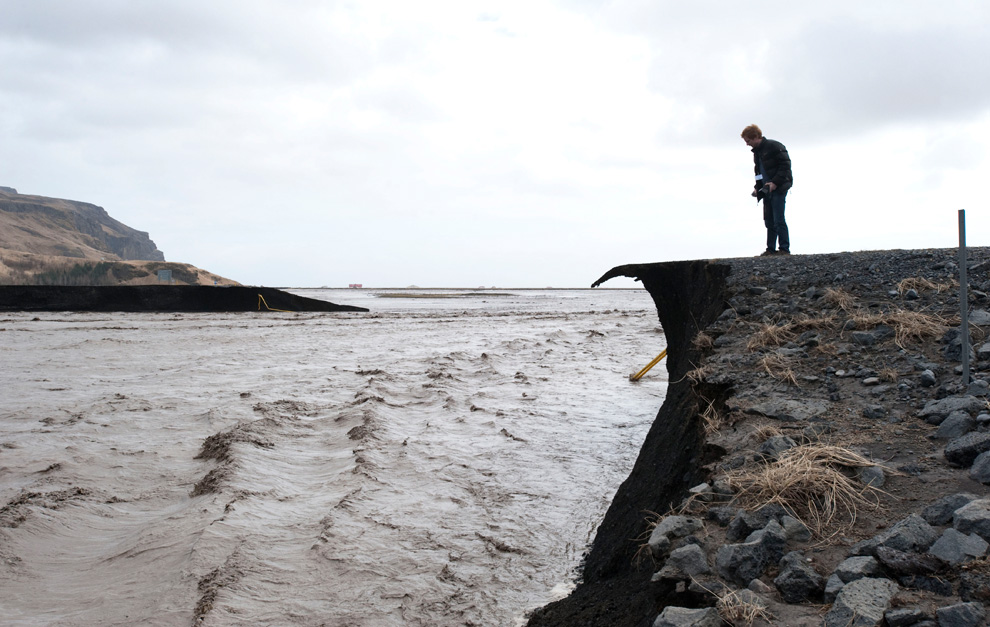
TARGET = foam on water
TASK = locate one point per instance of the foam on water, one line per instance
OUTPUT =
(436, 461)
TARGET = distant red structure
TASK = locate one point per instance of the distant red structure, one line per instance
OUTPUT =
(358, 285)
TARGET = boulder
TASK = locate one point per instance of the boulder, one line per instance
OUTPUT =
(797, 580)
(974, 517)
(746, 522)
(774, 446)
(787, 409)
(857, 567)
(961, 615)
(964, 450)
(940, 512)
(796, 530)
(955, 547)
(936, 411)
(905, 617)
(907, 564)
(956, 425)
(669, 528)
(686, 617)
(911, 534)
(861, 603)
(980, 470)
(832, 587)
(872, 476)
(684, 563)
(741, 563)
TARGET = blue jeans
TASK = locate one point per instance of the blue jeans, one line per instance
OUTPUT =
(773, 217)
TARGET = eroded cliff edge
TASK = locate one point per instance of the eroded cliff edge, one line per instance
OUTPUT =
(845, 370)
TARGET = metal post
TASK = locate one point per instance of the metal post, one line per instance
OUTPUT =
(963, 298)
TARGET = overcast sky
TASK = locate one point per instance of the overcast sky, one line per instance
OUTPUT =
(496, 143)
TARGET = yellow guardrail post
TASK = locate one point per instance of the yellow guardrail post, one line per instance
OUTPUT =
(261, 299)
(639, 375)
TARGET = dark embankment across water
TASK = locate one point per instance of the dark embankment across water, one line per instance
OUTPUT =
(615, 589)
(164, 298)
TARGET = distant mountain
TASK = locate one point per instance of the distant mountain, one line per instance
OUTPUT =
(51, 241)
(68, 228)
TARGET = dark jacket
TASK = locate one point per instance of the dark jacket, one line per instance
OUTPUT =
(776, 163)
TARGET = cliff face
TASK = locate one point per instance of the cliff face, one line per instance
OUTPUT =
(67, 228)
(856, 353)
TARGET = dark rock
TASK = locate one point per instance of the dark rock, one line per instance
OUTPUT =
(832, 587)
(670, 528)
(974, 517)
(796, 530)
(872, 476)
(741, 563)
(911, 534)
(774, 446)
(798, 581)
(864, 338)
(861, 603)
(874, 412)
(935, 585)
(980, 470)
(955, 547)
(963, 451)
(747, 522)
(974, 586)
(722, 515)
(711, 589)
(685, 563)
(857, 567)
(940, 512)
(789, 410)
(956, 424)
(903, 563)
(937, 411)
(686, 617)
(961, 615)
(905, 617)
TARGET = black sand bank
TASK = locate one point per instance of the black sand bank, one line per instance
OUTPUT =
(165, 298)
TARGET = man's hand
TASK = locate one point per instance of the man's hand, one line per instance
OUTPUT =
(772, 186)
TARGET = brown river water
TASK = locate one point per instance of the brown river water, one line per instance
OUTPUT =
(442, 460)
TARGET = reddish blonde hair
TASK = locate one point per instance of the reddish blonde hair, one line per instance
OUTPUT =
(751, 132)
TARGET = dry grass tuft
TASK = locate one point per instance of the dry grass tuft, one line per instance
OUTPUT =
(711, 419)
(890, 375)
(736, 610)
(702, 341)
(779, 368)
(699, 374)
(770, 335)
(777, 333)
(921, 284)
(908, 325)
(840, 299)
(808, 480)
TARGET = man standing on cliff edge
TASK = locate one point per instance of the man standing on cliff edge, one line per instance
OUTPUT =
(773, 179)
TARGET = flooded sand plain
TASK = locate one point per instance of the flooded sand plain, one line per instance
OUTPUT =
(442, 460)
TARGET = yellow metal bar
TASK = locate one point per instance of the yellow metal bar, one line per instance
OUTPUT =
(639, 375)
(261, 299)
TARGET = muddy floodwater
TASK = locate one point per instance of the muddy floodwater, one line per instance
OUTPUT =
(442, 460)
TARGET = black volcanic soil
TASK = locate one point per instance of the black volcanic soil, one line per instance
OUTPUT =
(165, 298)
(842, 371)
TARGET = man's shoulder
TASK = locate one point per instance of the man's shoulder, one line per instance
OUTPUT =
(773, 143)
